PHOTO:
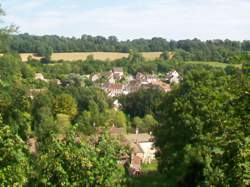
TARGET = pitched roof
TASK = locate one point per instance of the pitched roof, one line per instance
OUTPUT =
(136, 148)
(115, 86)
(141, 137)
(117, 131)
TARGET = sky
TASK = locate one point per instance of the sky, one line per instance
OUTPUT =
(130, 19)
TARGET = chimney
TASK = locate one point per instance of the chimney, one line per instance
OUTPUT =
(137, 131)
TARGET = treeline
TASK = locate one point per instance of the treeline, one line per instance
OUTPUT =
(195, 49)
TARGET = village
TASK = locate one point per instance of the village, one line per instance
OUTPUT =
(116, 83)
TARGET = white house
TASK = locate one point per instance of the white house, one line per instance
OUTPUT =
(151, 79)
(116, 105)
(173, 77)
(95, 77)
(118, 73)
(39, 76)
(142, 145)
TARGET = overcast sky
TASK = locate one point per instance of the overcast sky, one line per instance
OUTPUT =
(129, 19)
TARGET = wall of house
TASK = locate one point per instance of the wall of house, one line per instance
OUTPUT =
(149, 151)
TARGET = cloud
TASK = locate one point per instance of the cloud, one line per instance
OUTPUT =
(172, 19)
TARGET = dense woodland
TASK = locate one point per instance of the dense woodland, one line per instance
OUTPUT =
(201, 127)
(211, 50)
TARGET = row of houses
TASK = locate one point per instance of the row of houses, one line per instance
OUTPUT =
(112, 76)
(114, 87)
(116, 83)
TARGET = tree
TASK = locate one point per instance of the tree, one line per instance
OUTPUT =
(14, 164)
(65, 104)
(203, 134)
(145, 101)
(116, 118)
(135, 57)
(164, 55)
(86, 123)
(146, 124)
(149, 122)
(4, 34)
(70, 162)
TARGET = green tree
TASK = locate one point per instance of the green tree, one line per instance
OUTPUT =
(63, 123)
(14, 164)
(65, 104)
(203, 135)
(77, 163)
(145, 101)
(4, 33)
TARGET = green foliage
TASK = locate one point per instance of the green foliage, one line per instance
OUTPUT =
(14, 164)
(73, 163)
(65, 104)
(135, 57)
(4, 33)
(63, 123)
(95, 118)
(146, 124)
(204, 131)
(197, 50)
(142, 102)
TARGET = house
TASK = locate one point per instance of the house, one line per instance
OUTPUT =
(150, 79)
(142, 145)
(113, 89)
(117, 132)
(132, 86)
(39, 76)
(32, 145)
(55, 81)
(116, 105)
(118, 73)
(34, 92)
(109, 76)
(162, 85)
(140, 76)
(173, 77)
(95, 77)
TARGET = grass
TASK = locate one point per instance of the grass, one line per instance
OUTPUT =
(214, 64)
(97, 55)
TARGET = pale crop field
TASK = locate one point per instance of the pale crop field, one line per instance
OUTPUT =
(97, 55)
(24, 56)
(151, 55)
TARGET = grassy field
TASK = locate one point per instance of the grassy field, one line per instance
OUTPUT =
(97, 55)
(214, 64)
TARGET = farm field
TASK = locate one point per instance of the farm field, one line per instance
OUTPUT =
(214, 64)
(97, 55)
